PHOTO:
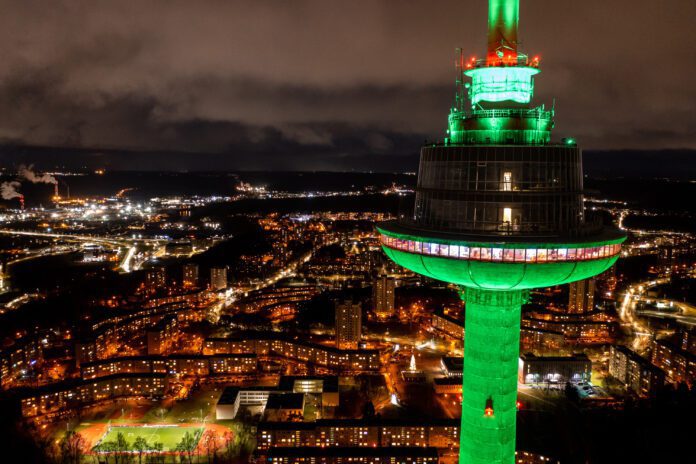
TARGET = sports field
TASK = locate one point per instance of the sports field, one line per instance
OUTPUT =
(169, 436)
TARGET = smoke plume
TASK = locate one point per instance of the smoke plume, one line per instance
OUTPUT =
(27, 173)
(8, 190)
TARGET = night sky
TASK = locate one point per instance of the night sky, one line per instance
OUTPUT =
(312, 84)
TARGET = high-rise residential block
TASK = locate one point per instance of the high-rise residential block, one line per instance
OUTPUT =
(581, 296)
(218, 278)
(383, 296)
(190, 275)
(348, 325)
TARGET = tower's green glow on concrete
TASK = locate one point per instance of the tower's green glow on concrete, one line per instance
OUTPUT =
(491, 356)
(494, 217)
(503, 19)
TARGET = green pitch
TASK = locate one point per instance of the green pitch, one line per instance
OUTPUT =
(168, 436)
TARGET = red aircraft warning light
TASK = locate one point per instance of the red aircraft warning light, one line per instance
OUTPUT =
(488, 412)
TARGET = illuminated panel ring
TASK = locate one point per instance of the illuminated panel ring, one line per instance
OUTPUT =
(496, 84)
(498, 266)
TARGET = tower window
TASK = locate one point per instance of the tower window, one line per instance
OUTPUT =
(507, 181)
(507, 215)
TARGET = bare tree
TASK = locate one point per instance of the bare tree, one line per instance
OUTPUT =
(228, 440)
(48, 448)
(211, 443)
(72, 447)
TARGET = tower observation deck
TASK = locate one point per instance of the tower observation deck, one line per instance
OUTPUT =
(498, 211)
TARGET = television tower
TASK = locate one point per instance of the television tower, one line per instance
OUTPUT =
(498, 211)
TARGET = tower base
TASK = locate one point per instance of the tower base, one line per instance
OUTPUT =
(491, 356)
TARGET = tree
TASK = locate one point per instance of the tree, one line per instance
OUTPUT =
(369, 410)
(161, 412)
(228, 446)
(156, 456)
(187, 446)
(572, 393)
(106, 447)
(245, 440)
(47, 448)
(72, 447)
(140, 445)
(121, 449)
(211, 444)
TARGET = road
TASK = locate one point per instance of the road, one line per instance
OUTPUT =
(631, 318)
(128, 247)
(87, 238)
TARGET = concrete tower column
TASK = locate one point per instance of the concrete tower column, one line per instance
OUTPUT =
(491, 356)
(503, 22)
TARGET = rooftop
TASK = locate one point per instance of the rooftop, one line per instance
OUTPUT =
(453, 363)
(365, 451)
(165, 358)
(447, 381)
(574, 357)
(281, 400)
(255, 335)
(329, 382)
(229, 394)
(373, 422)
(73, 383)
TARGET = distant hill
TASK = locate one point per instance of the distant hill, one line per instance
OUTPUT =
(674, 164)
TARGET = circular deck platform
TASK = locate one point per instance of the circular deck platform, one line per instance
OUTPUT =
(508, 265)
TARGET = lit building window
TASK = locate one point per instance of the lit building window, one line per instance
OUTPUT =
(503, 254)
(507, 182)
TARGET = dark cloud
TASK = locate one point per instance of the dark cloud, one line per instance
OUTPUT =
(328, 79)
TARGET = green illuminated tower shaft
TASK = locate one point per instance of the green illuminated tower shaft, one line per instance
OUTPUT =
(503, 19)
(491, 356)
(498, 211)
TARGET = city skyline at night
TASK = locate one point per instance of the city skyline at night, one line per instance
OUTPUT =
(368, 232)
